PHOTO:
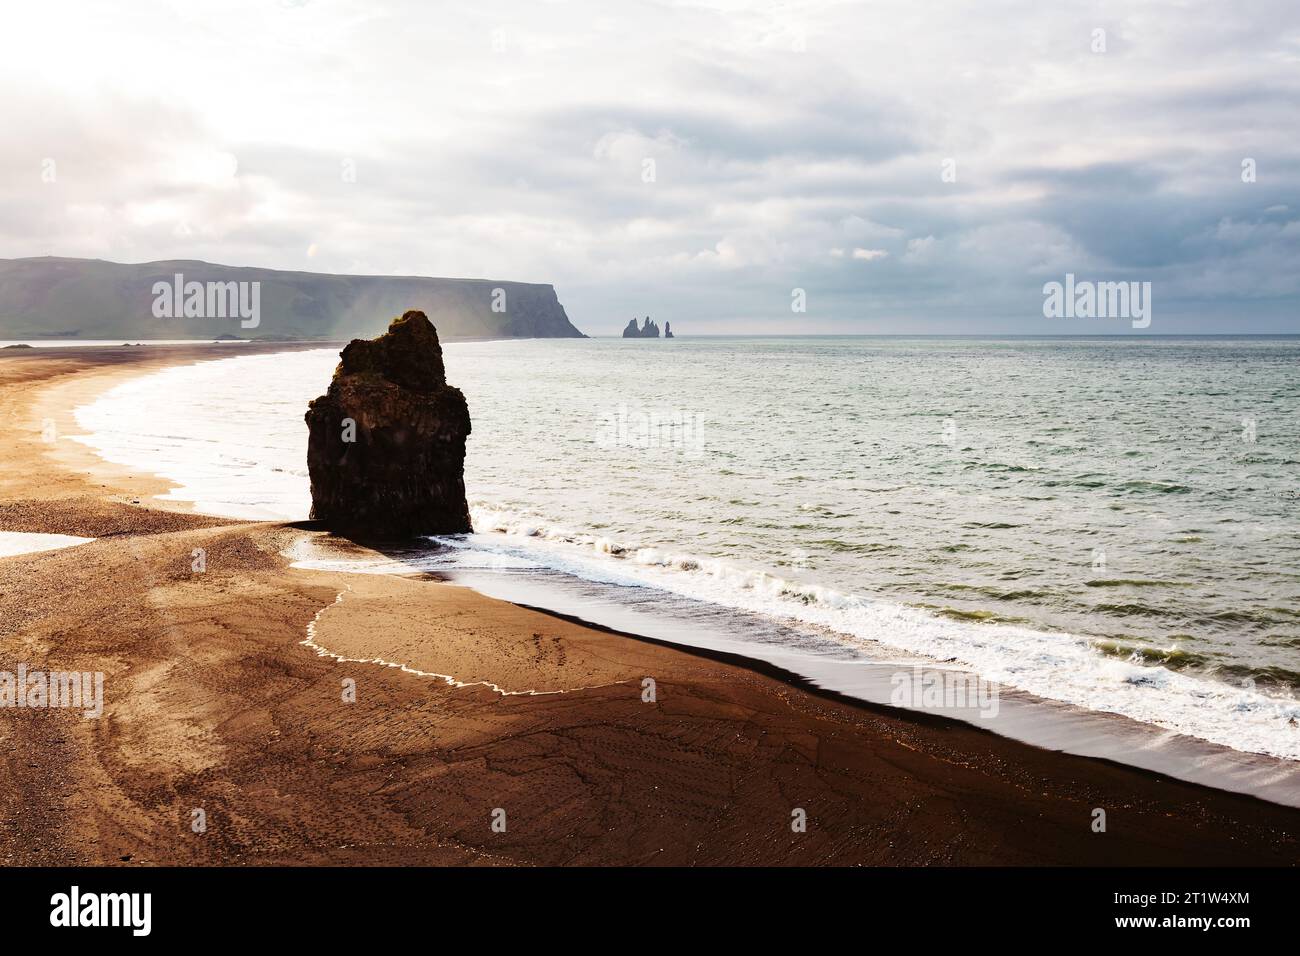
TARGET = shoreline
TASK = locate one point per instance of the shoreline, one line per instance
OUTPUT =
(1021, 716)
(1172, 731)
(1047, 725)
(709, 773)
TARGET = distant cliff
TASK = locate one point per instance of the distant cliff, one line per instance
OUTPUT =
(93, 299)
(648, 331)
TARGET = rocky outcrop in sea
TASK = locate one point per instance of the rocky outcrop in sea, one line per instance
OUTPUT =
(386, 450)
(650, 330)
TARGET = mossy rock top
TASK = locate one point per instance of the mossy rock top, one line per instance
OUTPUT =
(408, 355)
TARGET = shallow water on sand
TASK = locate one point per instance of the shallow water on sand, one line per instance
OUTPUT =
(23, 542)
(1107, 523)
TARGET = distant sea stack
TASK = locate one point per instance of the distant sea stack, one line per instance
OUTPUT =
(648, 331)
(668, 330)
(386, 444)
(53, 297)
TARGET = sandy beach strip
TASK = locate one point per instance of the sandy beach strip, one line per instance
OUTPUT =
(323, 718)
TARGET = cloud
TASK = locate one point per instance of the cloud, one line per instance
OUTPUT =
(691, 159)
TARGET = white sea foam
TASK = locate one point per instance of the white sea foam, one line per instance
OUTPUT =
(230, 434)
(1052, 665)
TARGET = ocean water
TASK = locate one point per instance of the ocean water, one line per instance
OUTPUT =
(1106, 523)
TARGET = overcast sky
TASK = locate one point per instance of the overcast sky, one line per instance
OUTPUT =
(794, 145)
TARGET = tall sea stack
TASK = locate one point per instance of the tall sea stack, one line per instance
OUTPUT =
(648, 331)
(386, 449)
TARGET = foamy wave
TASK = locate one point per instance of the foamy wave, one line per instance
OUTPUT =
(1055, 666)
(191, 425)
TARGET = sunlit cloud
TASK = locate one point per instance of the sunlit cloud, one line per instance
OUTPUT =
(694, 160)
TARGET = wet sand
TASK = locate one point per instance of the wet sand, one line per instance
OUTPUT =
(319, 752)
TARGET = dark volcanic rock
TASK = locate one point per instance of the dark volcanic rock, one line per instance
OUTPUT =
(648, 331)
(402, 473)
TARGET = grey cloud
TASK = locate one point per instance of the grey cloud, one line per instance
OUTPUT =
(527, 166)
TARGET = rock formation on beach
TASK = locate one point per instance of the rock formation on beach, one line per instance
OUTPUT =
(668, 330)
(648, 331)
(386, 450)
